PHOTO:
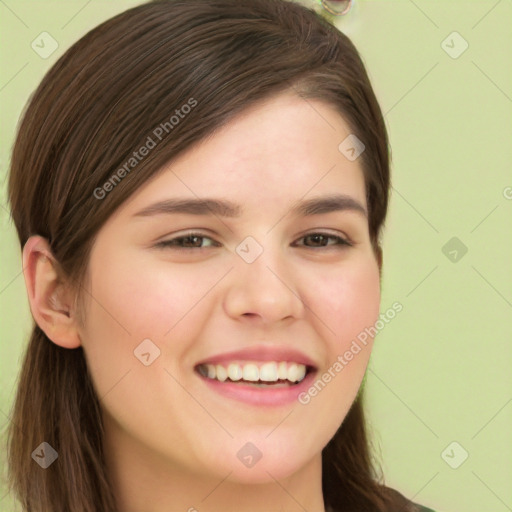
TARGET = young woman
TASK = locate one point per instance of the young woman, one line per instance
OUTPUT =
(199, 189)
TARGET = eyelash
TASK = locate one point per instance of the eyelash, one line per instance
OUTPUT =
(170, 244)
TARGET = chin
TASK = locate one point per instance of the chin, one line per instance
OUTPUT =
(264, 471)
(261, 461)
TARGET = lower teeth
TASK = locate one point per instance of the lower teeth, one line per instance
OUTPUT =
(260, 384)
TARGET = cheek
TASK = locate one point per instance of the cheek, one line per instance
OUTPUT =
(144, 299)
(348, 301)
(129, 303)
(135, 300)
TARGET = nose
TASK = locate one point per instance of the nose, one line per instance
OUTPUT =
(265, 290)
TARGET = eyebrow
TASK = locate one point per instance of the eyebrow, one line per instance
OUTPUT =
(223, 208)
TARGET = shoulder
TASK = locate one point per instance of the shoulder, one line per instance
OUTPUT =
(399, 503)
(406, 504)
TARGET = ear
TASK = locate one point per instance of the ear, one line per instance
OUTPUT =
(50, 298)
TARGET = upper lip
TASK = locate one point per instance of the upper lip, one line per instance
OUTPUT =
(261, 353)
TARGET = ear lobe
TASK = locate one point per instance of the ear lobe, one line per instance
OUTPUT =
(50, 298)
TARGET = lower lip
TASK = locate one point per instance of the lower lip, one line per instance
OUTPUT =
(260, 395)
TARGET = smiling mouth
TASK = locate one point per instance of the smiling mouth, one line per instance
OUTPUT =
(256, 373)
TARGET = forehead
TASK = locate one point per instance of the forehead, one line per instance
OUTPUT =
(274, 153)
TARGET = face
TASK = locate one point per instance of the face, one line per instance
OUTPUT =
(267, 294)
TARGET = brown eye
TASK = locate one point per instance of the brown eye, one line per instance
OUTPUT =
(321, 240)
(189, 241)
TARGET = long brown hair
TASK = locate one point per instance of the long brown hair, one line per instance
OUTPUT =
(93, 109)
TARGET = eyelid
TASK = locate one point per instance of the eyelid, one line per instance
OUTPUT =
(326, 232)
(342, 240)
(166, 243)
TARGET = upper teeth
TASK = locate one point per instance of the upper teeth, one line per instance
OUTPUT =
(266, 372)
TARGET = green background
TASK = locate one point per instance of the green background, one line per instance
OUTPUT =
(441, 370)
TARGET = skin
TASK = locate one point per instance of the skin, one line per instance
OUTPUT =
(171, 442)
